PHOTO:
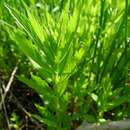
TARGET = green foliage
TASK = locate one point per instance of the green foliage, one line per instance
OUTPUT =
(15, 122)
(81, 56)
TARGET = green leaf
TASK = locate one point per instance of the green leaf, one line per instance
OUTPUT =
(117, 102)
(40, 86)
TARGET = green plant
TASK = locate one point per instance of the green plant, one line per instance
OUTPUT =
(79, 53)
(15, 122)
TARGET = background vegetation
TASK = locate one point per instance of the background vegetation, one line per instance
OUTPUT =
(73, 61)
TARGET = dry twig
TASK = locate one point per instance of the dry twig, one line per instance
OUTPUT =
(7, 88)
